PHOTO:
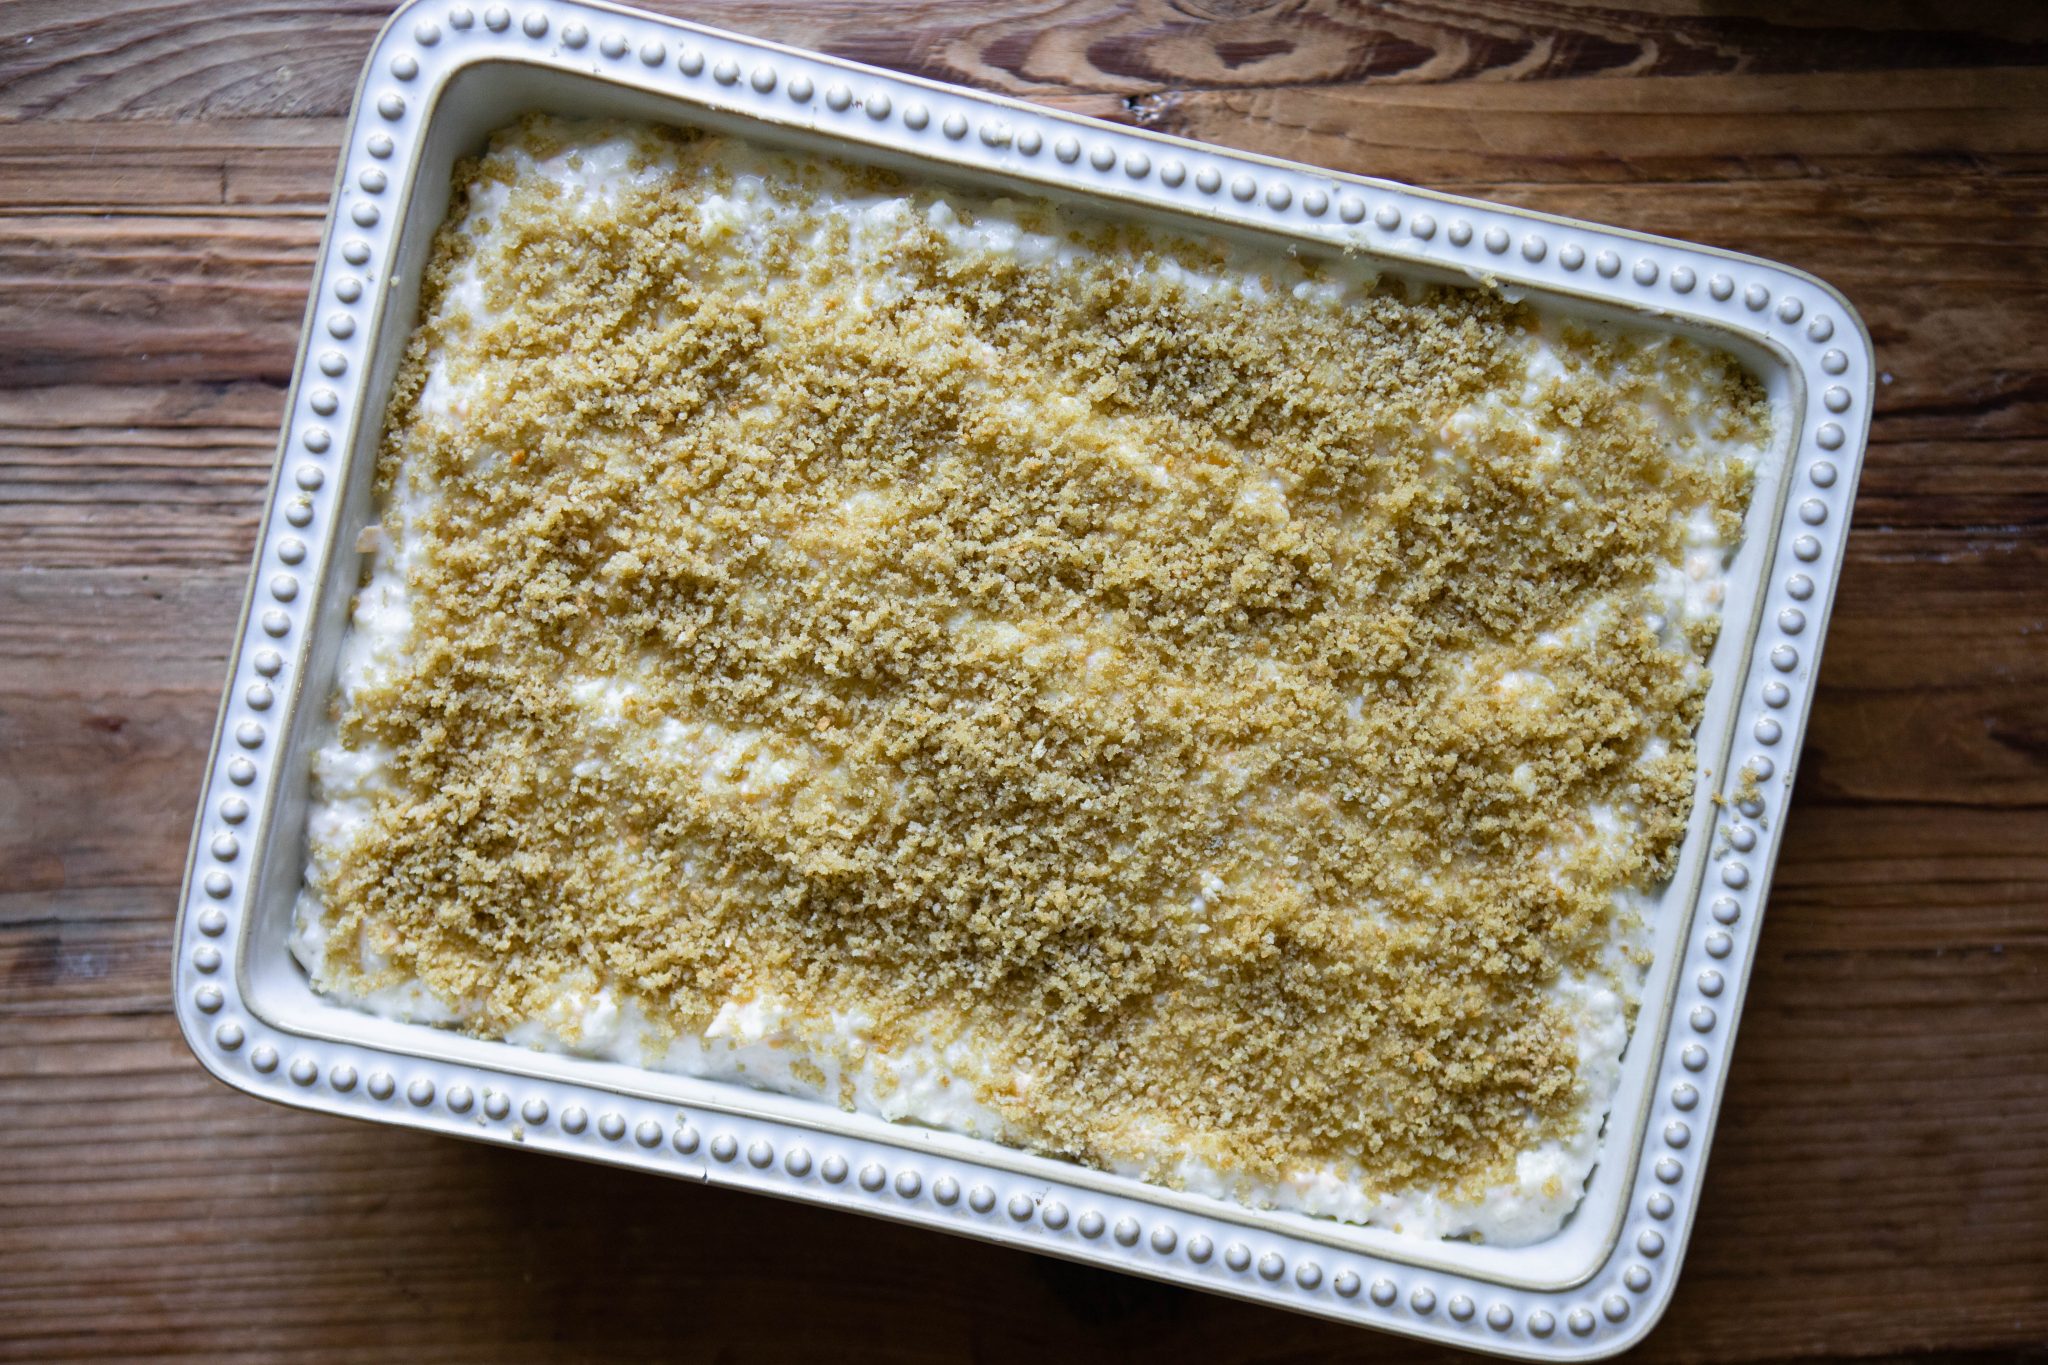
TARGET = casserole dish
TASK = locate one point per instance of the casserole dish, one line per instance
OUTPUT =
(441, 77)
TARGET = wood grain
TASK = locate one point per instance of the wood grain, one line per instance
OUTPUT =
(1879, 1183)
(188, 59)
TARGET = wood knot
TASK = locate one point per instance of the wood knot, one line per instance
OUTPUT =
(1227, 9)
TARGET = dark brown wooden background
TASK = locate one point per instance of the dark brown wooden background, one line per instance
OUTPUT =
(1880, 1179)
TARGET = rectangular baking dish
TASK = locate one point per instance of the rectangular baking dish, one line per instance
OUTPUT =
(442, 75)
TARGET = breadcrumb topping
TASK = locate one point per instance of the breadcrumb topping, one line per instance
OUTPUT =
(1196, 696)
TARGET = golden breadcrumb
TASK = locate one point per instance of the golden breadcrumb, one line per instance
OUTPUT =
(1129, 676)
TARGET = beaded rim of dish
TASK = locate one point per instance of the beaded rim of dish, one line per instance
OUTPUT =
(425, 44)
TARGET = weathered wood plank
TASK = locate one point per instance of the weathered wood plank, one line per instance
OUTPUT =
(131, 300)
(190, 60)
(168, 476)
(1811, 126)
(1485, 139)
(110, 166)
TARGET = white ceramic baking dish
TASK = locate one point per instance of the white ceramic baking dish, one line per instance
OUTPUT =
(442, 75)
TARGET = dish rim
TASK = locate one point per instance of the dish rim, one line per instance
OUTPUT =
(237, 1040)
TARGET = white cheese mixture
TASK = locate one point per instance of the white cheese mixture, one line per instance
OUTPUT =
(757, 1042)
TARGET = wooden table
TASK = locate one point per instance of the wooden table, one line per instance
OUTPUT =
(1880, 1182)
